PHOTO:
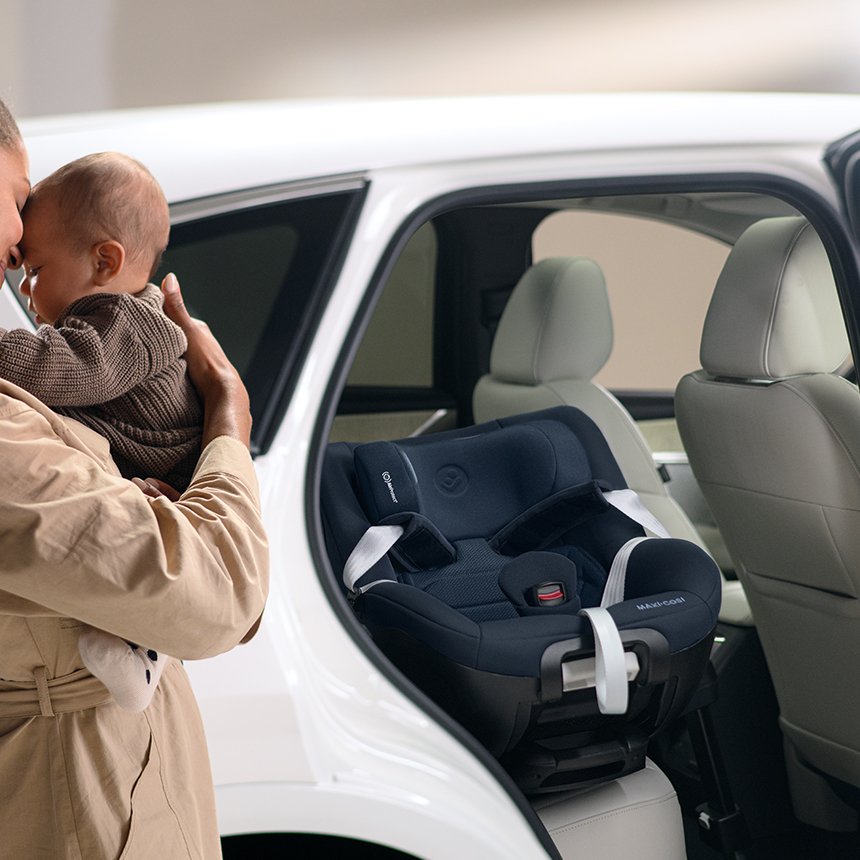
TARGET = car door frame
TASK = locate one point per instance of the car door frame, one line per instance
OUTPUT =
(822, 213)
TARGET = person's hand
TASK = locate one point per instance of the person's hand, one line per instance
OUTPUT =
(226, 405)
(156, 489)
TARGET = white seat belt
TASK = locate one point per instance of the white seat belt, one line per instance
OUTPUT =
(629, 503)
(613, 591)
(610, 669)
(371, 547)
(632, 506)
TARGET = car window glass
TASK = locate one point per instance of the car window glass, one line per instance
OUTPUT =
(397, 347)
(257, 276)
(390, 389)
(235, 298)
(659, 278)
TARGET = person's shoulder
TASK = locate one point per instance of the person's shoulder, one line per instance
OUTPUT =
(149, 297)
(146, 310)
(146, 303)
(16, 402)
(149, 303)
(24, 418)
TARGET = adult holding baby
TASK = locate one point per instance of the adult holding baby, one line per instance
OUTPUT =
(83, 778)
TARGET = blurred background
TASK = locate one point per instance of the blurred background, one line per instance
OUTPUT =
(72, 55)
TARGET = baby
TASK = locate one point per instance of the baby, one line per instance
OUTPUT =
(107, 356)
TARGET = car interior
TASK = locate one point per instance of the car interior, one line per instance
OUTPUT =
(496, 312)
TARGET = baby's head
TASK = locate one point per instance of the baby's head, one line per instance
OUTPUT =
(98, 224)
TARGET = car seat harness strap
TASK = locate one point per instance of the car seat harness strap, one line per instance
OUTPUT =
(613, 591)
(629, 503)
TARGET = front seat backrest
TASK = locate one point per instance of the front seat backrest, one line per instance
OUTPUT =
(773, 436)
(554, 336)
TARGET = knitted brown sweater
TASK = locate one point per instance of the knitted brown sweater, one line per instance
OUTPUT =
(114, 362)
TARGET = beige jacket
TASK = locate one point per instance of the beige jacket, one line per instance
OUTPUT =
(81, 779)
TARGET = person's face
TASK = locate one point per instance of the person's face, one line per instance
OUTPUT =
(56, 273)
(14, 189)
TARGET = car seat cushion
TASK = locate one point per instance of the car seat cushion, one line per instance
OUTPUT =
(514, 646)
(509, 571)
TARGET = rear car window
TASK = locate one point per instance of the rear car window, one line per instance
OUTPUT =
(259, 276)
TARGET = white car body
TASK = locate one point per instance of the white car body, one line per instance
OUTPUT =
(307, 732)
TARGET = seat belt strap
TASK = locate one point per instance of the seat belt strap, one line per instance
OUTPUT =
(371, 547)
(610, 669)
(613, 591)
(629, 503)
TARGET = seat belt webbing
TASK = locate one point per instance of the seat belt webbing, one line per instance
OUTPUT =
(610, 667)
(629, 503)
(613, 591)
(371, 547)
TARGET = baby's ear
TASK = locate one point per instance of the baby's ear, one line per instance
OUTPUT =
(108, 260)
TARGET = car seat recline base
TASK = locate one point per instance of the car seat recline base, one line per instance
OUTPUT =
(505, 569)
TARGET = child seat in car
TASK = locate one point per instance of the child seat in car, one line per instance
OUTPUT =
(505, 569)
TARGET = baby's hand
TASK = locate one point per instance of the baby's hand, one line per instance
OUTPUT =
(155, 489)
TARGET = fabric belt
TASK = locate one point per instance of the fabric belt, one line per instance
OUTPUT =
(46, 697)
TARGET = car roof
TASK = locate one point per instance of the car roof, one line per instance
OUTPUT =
(206, 149)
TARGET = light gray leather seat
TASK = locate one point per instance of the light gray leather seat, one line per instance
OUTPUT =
(554, 335)
(773, 436)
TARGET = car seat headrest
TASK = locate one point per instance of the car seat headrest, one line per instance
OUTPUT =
(473, 485)
(775, 310)
(556, 325)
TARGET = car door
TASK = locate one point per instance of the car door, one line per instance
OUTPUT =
(842, 158)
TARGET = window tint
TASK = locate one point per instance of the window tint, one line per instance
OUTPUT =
(390, 391)
(232, 279)
(397, 348)
(258, 277)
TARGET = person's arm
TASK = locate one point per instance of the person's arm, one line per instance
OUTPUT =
(227, 410)
(97, 356)
(188, 578)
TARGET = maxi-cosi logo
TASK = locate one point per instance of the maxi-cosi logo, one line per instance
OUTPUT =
(386, 476)
(659, 603)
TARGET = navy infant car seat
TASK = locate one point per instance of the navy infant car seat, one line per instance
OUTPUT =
(505, 569)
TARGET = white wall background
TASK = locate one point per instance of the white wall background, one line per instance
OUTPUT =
(72, 55)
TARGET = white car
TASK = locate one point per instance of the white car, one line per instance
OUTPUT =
(355, 259)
